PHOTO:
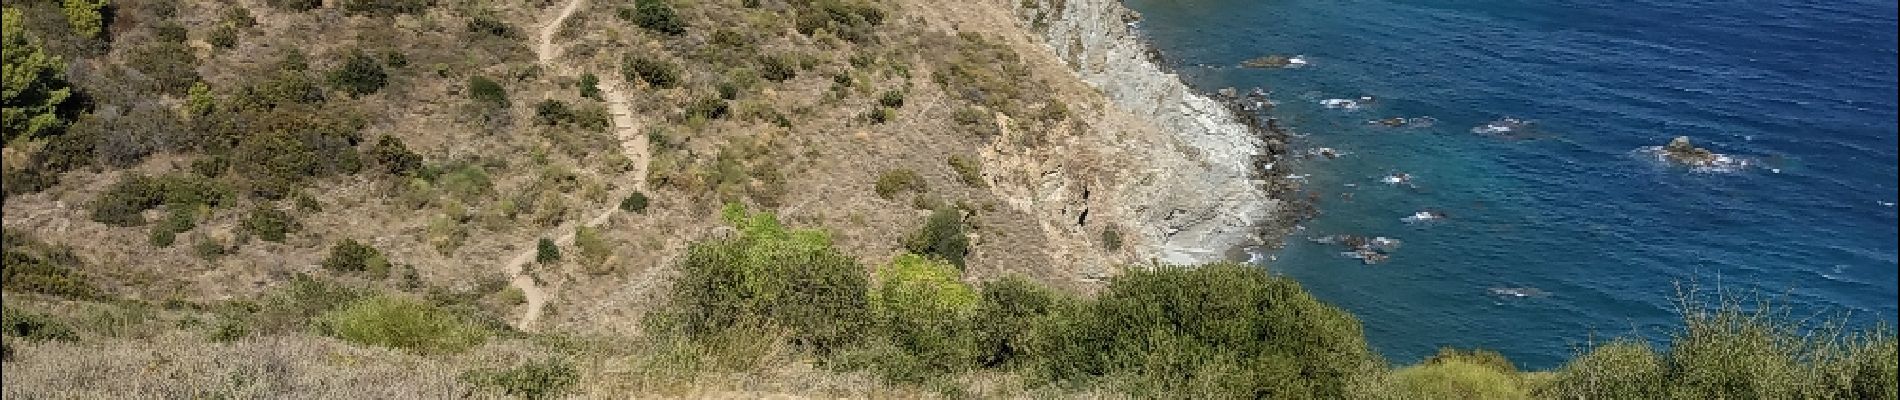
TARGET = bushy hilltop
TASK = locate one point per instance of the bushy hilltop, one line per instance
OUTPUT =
(354, 198)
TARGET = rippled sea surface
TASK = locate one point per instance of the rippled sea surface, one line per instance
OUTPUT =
(1596, 234)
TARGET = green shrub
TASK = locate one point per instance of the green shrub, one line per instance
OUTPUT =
(177, 220)
(594, 249)
(654, 15)
(544, 379)
(487, 24)
(707, 108)
(199, 100)
(850, 20)
(352, 256)
(384, 8)
(295, 5)
(1111, 239)
(394, 157)
(1221, 330)
(590, 86)
(898, 180)
(892, 99)
(1012, 312)
(1456, 379)
(545, 252)
(879, 115)
(34, 326)
(36, 89)
(791, 278)
(359, 75)
(28, 265)
(777, 68)
(124, 203)
(486, 91)
(292, 307)
(552, 112)
(659, 73)
(942, 236)
(927, 312)
(269, 223)
(636, 202)
(402, 323)
(224, 36)
(87, 17)
(171, 66)
(1730, 351)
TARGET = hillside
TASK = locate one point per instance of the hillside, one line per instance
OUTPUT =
(670, 198)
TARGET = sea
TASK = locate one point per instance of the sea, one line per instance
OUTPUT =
(1527, 124)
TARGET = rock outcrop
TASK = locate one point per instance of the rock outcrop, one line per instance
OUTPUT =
(1192, 195)
(1680, 151)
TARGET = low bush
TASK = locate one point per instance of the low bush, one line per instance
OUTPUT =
(269, 223)
(359, 75)
(488, 24)
(892, 99)
(403, 323)
(942, 236)
(590, 86)
(892, 182)
(636, 202)
(777, 68)
(352, 256)
(28, 265)
(655, 72)
(546, 252)
(395, 157)
(34, 326)
(487, 91)
(926, 311)
(385, 8)
(594, 248)
(125, 202)
(654, 15)
(708, 108)
(534, 380)
(791, 278)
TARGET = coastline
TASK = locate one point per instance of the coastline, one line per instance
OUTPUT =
(1225, 204)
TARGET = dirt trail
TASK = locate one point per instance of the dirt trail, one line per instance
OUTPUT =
(632, 144)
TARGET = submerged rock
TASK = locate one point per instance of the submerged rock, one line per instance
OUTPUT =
(1275, 61)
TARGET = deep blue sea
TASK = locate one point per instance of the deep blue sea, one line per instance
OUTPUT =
(1804, 89)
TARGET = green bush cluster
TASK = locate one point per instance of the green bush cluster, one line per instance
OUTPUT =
(487, 91)
(28, 265)
(553, 112)
(125, 202)
(654, 15)
(546, 252)
(853, 20)
(534, 380)
(649, 69)
(590, 86)
(636, 202)
(777, 67)
(968, 169)
(87, 17)
(1736, 352)
(395, 157)
(489, 24)
(942, 236)
(708, 108)
(899, 180)
(269, 223)
(402, 322)
(385, 8)
(359, 75)
(352, 256)
(34, 326)
(790, 278)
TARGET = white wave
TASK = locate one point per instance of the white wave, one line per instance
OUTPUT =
(1342, 104)
(1502, 127)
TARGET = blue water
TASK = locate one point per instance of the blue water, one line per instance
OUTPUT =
(1805, 87)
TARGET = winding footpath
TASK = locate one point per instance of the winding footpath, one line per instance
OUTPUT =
(632, 144)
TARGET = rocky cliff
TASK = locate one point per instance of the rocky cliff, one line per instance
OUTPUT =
(1193, 193)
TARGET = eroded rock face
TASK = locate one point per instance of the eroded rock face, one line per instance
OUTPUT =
(1192, 196)
(1680, 151)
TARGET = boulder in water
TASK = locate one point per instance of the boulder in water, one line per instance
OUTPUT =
(1680, 151)
(1269, 61)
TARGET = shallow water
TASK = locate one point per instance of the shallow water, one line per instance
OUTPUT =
(1601, 231)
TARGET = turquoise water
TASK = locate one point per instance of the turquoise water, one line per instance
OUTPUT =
(1805, 90)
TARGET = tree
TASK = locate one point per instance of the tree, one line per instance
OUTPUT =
(86, 16)
(35, 83)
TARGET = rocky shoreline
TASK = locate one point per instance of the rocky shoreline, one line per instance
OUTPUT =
(1218, 190)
